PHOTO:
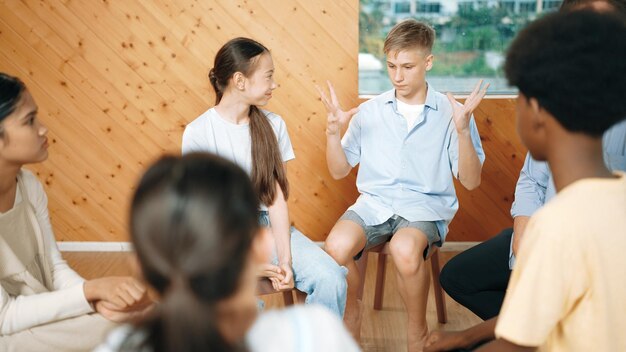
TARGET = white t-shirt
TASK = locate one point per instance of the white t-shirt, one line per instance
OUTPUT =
(212, 133)
(68, 298)
(307, 328)
(410, 112)
(295, 329)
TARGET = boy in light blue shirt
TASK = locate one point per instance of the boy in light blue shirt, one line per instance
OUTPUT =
(409, 142)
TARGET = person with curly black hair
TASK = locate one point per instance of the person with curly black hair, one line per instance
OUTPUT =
(574, 80)
(566, 291)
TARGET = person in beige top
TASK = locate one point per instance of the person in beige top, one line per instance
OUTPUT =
(44, 304)
(567, 289)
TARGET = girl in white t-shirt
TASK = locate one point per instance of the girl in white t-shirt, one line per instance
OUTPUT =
(44, 304)
(257, 140)
(194, 226)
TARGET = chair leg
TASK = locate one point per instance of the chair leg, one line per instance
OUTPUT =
(300, 296)
(380, 281)
(288, 297)
(361, 265)
(440, 302)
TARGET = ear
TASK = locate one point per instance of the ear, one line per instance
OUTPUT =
(429, 61)
(3, 136)
(239, 81)
(263, 245)
(538, 114)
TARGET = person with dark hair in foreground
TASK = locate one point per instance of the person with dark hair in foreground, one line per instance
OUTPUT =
(194, 226)
(567, 288)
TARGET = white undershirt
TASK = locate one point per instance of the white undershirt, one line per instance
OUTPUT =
(410, 112)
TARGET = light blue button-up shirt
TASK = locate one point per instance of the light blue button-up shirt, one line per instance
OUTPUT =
(406, 172)
(535, 185)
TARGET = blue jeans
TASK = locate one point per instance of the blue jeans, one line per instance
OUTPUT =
(315, 272)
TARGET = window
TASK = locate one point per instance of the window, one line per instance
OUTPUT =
(472, 37)
(402, 7)
(527, 7)
(551, 5)
(428, 8)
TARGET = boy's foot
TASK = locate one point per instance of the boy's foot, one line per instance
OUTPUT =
(352, 319)
(416, 339)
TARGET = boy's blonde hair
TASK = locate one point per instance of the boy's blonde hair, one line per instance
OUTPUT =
(410, 34)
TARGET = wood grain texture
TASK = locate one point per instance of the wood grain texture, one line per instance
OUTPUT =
(117, 81)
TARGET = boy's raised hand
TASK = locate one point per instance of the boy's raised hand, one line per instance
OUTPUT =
(337, 118)
(461, 112)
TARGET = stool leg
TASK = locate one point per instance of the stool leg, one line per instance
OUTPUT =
(300, 296)
(440, 302)
(361, 264)
(288, 298)
(380, 281)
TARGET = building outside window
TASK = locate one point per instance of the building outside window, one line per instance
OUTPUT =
(472, 38)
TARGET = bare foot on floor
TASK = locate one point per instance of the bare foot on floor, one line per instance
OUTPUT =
(416, 339)
(352, 319)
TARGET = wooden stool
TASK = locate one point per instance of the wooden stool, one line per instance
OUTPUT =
(383, 252)
(264, 287)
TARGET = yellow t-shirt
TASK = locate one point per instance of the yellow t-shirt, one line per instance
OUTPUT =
(568, 289)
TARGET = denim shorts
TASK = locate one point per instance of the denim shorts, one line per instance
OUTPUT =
(381, 233)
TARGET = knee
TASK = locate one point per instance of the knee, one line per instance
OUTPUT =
(446, 277)
(331, 278)
(338, 249)
(407, 257)
(449, 278)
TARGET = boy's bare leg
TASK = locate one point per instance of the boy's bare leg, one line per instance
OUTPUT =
(407, 248)
(345, 240)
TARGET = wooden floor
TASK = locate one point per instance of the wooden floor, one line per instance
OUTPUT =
(382, 330)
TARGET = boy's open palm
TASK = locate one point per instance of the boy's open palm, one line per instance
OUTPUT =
(461, 112)
(337, 118)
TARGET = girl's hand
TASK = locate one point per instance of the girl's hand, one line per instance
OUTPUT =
(119, 316)
(123, 293)
(270, 271)
(287, 282)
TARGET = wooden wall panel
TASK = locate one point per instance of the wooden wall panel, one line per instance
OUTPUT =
(117, 81)
(485, 211)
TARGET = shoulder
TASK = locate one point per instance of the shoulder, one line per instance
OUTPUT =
(617, 130)
(578, 203)
(124, 336)
(439, 102)
(310, 325)
(273, 118)
(276, 121)
(314, 313)
(378, 101)
(441, 98)
(199, 121)
(29, 178)
(33, 186)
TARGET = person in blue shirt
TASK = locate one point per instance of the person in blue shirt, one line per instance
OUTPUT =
(409, 143)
